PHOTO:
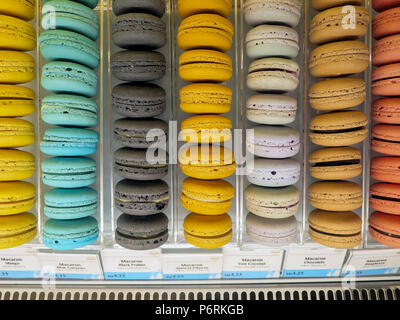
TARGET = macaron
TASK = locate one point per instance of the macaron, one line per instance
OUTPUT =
(142, 232)
(272, 41)
(273, 74)
(16, 34)
(207, 31)
(340, 230)
(135, 164)
(386, 50)
(273, 172)
(70, 46)
(61, 141)
(208, 197)
(16, 197)
(337, 93)
(385, 139)
(386, 169)
(156, 7)
(339, 58)
(69, 78)
(141, 198)
(65, 204)
(381, 5)
(16, 165)
(386, 110)
(89, 3)
(138, 30)
(202, 65)
(138, 100)
(70, 234)
(386, 23)
(333, 25)
(274, 109)
(335, 195)
(386, 80)
(205, 98)
(273, 141)
(188, 8)
(258, 12)
(385, 197)
(16, 133)
(208, 232)
(17, 229)
(23, 9)
(138, 66)
(385, 228)
(338, 163)
(271, 232)
(206, 129)
(338, 129)
(16, 101)
(326, 4)
(16, 67)
(72, 16)
(68, 172)
(140, 133)
(69, 110)
(207, 162)
(273, 203)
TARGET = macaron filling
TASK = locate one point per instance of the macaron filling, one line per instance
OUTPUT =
(339, 130)
(385, 233)
(294, 73)
(337, 163)
(374, 196)
(335, 235)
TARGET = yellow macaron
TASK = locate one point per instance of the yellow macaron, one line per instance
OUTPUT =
(16, 165)
(208, 162)
(209, 197)
(16, 101)
(16, 133)
(16, 34)
(205, 98)
(207, 31)
(206, 129)
(187, 8)
(208, 232)
(205, 66)
(16, 197)
(23, 9)
(16, 67)
(17, 229)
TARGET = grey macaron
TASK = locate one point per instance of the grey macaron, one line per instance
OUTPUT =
(156, 7)
(142, 232)
(138, 164)
(141, 133)
(141, 198)
(138, 30)
(136, 100)
(138, 65)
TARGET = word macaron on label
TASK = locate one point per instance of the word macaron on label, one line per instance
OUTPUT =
(19, 263)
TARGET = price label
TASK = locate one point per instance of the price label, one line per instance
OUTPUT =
(70, 266)
(251, 264)
(372, 262)
(121, 264)
(313, 262)
(192, 266)
(19, 263)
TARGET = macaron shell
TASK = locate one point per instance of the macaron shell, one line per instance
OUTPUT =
(386, 80)
(16, 165)
(206, 129)
(16, 133)
(386, 50)
(386, 169)
(16, 197)
(23, 9)
(384, 197)
(386, 110)
(380, 5)
(156, 7)
(16, 101)
(386, 23)
(16, 34)
(17, 229)
(187, 8)
(385, 228)
(326, 4)
(16, 67)
(385, 139)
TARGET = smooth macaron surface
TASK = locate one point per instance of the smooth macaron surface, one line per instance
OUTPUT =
(386, 169)
(386, 110)
(16, 34)
(156, 7)
(385, 197)
(381, 5)
(385, 139)
(23, 9)
(386, 50)
(16, 197)
(17, 229)
(16, 101)
(386, 23)
(327, 4)
(188, 8)
(386, 80)
(64, 204)
(89, 3)
(16, 133)
(16, 165)
(385, 228)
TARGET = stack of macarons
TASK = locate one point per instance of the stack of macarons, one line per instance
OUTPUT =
(336, 61)
(272, 47)
(384, 222)
(205, 35)
(141, 195)
(68, 110)
(17, 66)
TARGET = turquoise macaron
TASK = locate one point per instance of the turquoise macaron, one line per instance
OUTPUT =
(90, 3)
(70, 78)
(69, 46)
(69, 110)
(68, 172)
(70, 234)
(70, 142)
(72, 16)
(65, 204)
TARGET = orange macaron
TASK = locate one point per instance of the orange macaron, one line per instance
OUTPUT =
(386, 23)
(386, 50)
(385, 197)
(386, 80)
(386, 110)
(386, 139)
(385, 228)
(386, 169)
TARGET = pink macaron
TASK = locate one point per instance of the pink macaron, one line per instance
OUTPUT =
(386, 80)
(386, 23)
(386, 50)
